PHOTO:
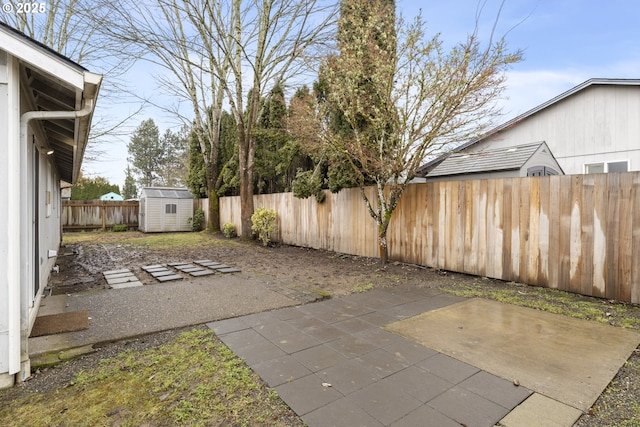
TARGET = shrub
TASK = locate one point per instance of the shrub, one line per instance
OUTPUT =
(120, 227)
(307, 184)
(197, 220)
(229, 230)
(263, 224)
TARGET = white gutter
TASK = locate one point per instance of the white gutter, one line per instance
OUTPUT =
(26, 231)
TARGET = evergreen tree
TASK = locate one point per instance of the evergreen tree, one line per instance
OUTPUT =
(92, 188)
(146, 153)
(129, 191)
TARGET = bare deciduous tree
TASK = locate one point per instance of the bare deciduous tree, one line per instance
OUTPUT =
(266, 42)
(72, 28)
(176, 36)
(404, 101)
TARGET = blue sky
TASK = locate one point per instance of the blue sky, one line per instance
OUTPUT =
(565, 42)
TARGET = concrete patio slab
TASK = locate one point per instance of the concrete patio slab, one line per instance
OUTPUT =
(569, 360)
(547, 413)
(335, 368)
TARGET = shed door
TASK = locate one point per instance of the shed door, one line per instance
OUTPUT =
(170, 217)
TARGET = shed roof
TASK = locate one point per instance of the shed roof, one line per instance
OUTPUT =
(166, 193)
(502, 159)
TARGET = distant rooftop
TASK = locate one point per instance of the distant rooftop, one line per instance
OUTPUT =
(502, 159)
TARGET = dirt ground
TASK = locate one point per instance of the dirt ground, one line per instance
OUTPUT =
(81, 265)
(330, 274)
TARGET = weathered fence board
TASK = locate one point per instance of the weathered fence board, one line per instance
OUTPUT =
(579, 233)
(96, 214)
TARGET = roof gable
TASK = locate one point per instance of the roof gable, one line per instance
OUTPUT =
(553, 101)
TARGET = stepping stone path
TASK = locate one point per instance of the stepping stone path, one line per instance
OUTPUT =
(123, 278)
(161, 273)
(195, 271)
(203, 267)
(221, 268)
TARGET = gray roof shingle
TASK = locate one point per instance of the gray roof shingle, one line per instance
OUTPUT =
(502, 159)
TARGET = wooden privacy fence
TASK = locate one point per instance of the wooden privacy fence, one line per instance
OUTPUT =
(98, 214)
(579, 233)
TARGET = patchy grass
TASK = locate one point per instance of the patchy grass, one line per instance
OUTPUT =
(193, 380)
(362, 287)
(553, 301)
(152, 241)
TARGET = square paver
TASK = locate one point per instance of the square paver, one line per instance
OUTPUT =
(468, 408)
(341, 413)
(425, 416)
(324, 333)
(280, 370)
(228, 325)
(496, 389)
(382, 362)
(296, 342)
(275, 329)
(354, 325)
(448, 368)
(306, 394)
(319, 357)
(384, 402)
(418, 383)
(242, 338)
(349, 376)
(259, 352)
(352, 346)
(228, 270)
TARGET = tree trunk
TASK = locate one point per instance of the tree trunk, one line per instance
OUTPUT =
(246, 186)
(382, 243)
(214, 212)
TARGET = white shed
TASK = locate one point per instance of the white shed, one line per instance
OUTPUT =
(165, 209)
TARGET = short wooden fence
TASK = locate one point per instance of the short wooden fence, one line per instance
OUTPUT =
(78, 215)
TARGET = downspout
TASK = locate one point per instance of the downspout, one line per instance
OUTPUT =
(26, 238)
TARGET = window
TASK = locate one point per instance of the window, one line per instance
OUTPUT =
(607, 167)
(170, 208)
(541, 171)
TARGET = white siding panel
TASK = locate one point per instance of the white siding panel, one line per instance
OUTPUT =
(599, 123)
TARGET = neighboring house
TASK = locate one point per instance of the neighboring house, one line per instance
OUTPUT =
(592, 128)
(521, 160)
(46, 105)
(111, 196)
